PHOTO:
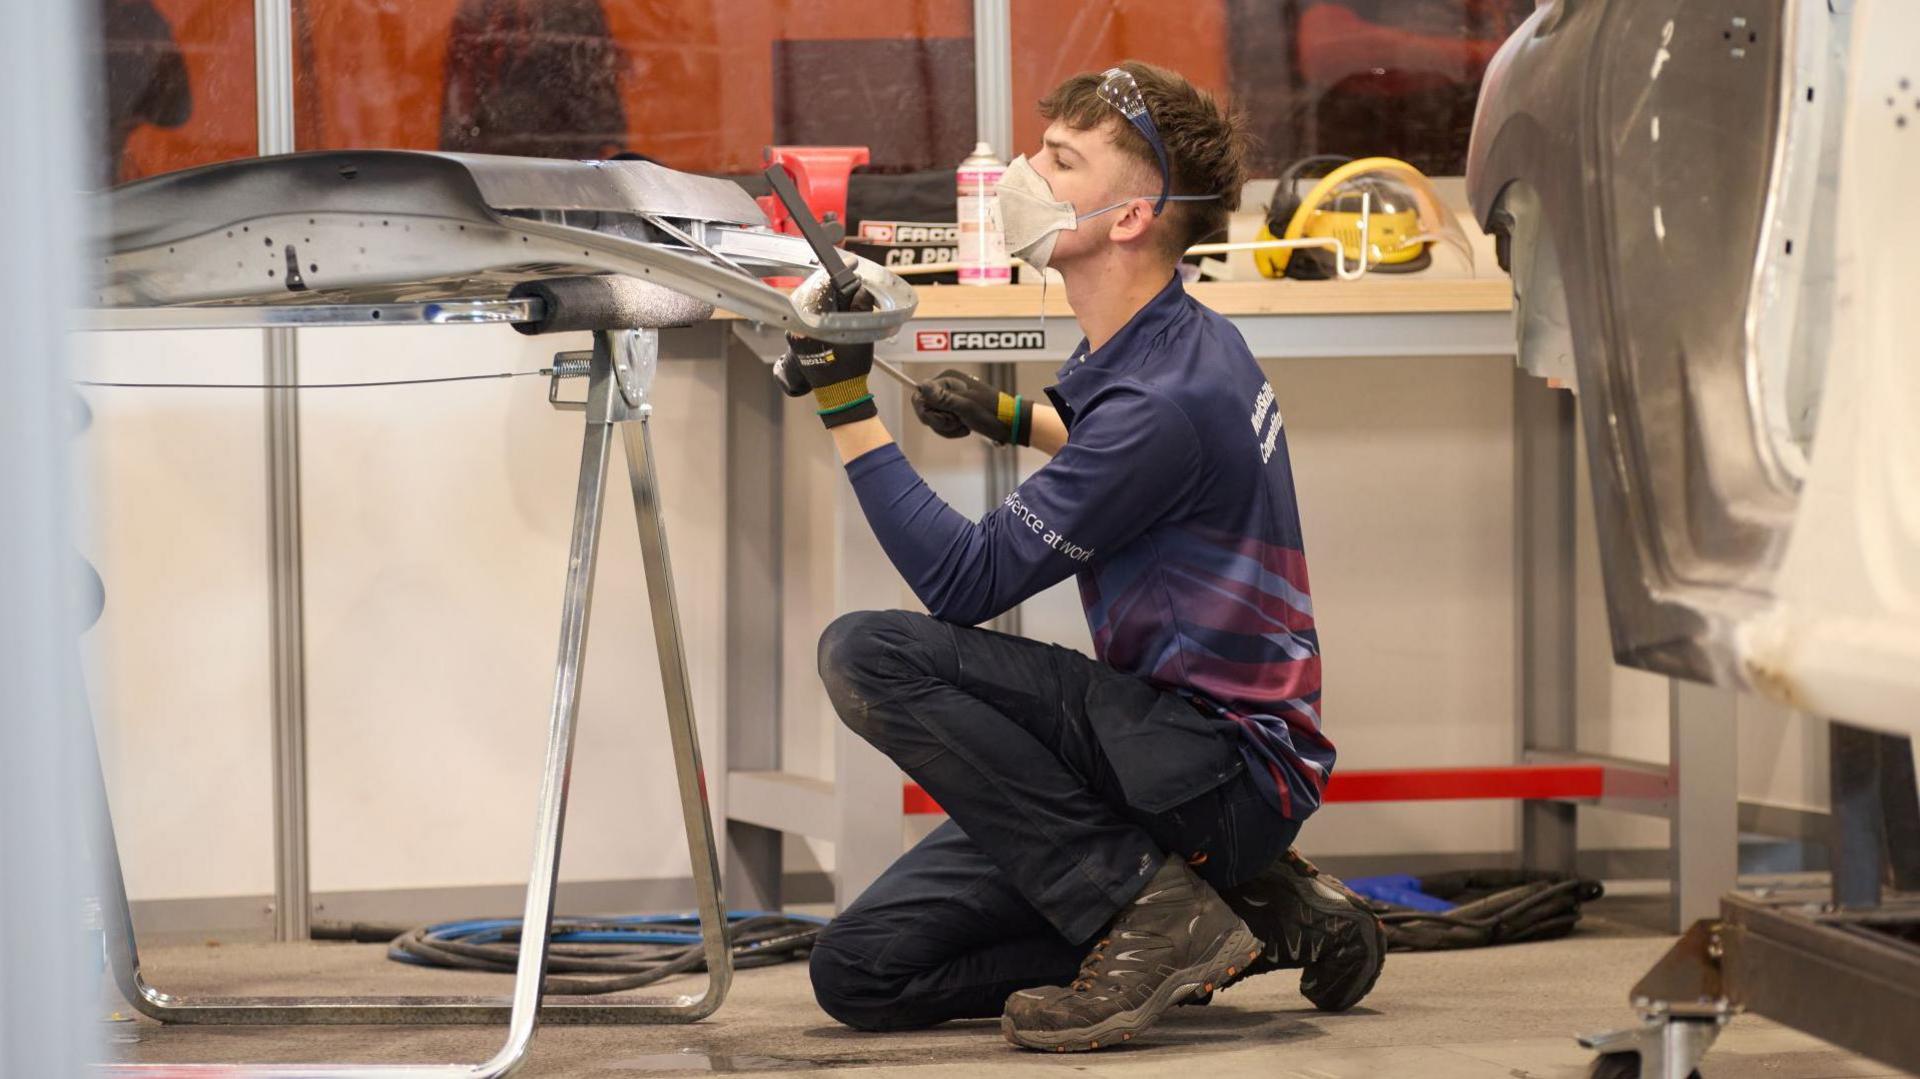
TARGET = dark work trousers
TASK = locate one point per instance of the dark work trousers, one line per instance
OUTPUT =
(1066, 784)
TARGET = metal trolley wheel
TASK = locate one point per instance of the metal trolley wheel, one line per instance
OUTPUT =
(1621, 1066)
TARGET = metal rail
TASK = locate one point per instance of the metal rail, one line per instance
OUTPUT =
(249, 316)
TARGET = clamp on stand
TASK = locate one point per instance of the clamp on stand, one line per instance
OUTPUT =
(633, 357)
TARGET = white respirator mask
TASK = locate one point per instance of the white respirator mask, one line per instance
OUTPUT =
(1031, 219)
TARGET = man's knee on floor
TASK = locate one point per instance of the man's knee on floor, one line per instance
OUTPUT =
(863, 653)
(848, 990)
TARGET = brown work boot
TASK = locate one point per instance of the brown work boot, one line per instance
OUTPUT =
(1177, 939)
(1306, 918)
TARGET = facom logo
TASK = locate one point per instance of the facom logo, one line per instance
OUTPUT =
(905, 233)
(909, 232)
(979, 340)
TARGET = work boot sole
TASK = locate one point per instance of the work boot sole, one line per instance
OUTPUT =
(1228, 957)
(1335, 913)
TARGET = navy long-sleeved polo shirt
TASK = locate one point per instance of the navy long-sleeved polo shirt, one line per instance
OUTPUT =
(1173, 503)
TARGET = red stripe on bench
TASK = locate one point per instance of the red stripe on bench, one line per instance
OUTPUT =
(1517, 781)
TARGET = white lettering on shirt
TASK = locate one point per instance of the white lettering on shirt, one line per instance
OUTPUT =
(1262, 404)
(1262, 401)
(1048, 536)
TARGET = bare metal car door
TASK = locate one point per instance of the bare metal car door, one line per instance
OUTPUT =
(1705, 208)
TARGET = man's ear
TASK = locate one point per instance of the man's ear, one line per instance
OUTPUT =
(1131, 222)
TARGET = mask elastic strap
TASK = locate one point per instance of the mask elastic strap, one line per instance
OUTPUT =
(1043, 308)
(1156, 212)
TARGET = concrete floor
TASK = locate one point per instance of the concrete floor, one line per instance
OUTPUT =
(1500, 1013)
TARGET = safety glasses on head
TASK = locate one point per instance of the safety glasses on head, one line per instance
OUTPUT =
(1118, 88)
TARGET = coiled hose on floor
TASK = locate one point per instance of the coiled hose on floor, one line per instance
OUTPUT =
(1475, 908)
(590, 955)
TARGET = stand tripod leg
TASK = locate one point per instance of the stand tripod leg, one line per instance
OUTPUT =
(680, 722)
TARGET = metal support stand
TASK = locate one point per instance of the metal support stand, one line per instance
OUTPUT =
(1847, 970)
(620, 373)
(1682, 1004)
(1705, 779)
(1668, 1048)
(1900, 801)
(1875, 838)
(1859, 834)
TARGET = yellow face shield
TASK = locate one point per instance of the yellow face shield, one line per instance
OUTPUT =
(1384, 213)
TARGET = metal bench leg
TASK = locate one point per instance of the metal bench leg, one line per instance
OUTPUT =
(680, 724)
(612, 364)
(1546, 469)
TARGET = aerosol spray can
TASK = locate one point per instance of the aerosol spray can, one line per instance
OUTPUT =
(982, 250)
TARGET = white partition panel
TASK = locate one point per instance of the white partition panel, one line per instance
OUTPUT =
(174, 517)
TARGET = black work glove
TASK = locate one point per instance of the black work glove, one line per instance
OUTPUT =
(955, 403)
(786, 371)
(836, 374)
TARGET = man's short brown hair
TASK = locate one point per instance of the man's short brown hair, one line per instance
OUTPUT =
(1206, 144)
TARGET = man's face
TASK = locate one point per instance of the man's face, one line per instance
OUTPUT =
(1086, 169)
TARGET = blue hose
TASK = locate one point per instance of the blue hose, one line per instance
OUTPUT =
(597, 954)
